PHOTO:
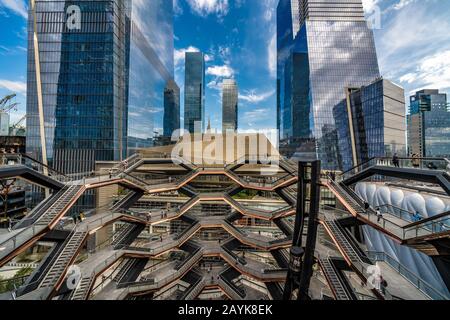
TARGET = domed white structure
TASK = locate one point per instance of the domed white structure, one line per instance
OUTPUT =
(401, 199)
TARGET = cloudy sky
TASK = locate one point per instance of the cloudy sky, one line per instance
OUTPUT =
(238, 36)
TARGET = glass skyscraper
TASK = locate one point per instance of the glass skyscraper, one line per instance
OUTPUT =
(332, 50)
(153, 103)
(229, 105)
(429, 124)
(103, 84)
(370, 123)
(171, 109)
(194, 91)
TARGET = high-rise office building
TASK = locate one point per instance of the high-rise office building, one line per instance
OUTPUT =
(370, 123)
(229, 105)
(194, 91)
(429, 124)
(150, 109)
(333, 49)
(171, 109)
(102, 79)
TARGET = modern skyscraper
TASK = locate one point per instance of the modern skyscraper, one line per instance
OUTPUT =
(171, 109)
(370, 123)
(194, 91)
(333, 49)
(99, 84)
(229, 105)
(151, 75)
(429, 124)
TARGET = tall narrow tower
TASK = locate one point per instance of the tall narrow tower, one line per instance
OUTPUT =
(229, 105)
(194, 91)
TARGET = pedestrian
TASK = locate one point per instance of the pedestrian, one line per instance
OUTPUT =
(366, 206)
(333, 176)
(110, 173)
(379, 215)
(396, 161)
(383, 285)
(417, 217)
(432, 166)
(415, 160)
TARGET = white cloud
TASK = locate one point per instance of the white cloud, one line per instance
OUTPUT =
(253, 97)
(370, 5)
(179, 55)
(215, 84)
(220, 71)
(257, 115)
(432, 72)
(207, 7)
(14, 86)
(401, 4)
(17, 6)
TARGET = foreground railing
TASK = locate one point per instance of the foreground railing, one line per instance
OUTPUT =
(420, 284)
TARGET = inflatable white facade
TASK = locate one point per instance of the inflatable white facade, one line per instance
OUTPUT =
(426, 205)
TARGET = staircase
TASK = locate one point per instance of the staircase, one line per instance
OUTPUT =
(70, 195)
(347, 198)
(280, 257)
(283, 226)
(125, 266)
(194, 291)
(82, 292)
(275, 290)
(230, 288)
(344, 242)
(64, 259)
(334, 280)
(127, 235)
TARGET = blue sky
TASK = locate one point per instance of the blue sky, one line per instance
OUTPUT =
(238, 36)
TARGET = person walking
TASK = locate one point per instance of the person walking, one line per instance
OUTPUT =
(366, 206)
(415, 160)
(396, 161)
(383, 285)
(379, 215)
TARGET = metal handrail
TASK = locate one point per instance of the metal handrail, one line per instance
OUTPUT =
(418, 282)
(403, 162)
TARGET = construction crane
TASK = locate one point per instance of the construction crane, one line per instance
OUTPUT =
(5, 107)
(17, 126)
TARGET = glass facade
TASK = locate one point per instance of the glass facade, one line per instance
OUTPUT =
(194, 91)
(335, 50)
(429, 124)
(103, 85)
(83, 77)
(370, 123)
(153, 105)
(229, 106)
(171, 109)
